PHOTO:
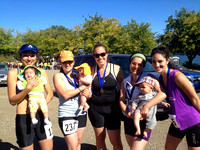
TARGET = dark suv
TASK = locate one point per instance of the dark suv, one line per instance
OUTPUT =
(123, 61)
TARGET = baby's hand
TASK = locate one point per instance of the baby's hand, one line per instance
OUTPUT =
(32, 83)
(165, 104)
(133, 108)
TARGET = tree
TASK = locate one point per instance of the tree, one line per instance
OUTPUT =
(137, 37)
(98, 30)
(182, 34)
(6, 42)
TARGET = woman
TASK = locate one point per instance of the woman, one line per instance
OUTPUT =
(184, 102)
(137, 63)
(104, 112)
(72, 121)
(25, 131)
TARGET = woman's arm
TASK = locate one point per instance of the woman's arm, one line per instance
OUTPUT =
(122, 100)
(119, 74)
(61, 89)
(15, 98)
(48, 89)
(184, 84)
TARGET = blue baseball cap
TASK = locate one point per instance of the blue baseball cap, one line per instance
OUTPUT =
(28, 47)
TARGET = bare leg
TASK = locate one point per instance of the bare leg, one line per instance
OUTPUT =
(136, 121)
(135, 143)
(46, 144)
(80, 135)
(115, 139)
(83, 100)
(86, 107)
(33, 118)
(172, 142)
(100, 134)
(72, 141)
(145, 133)
(27, 148)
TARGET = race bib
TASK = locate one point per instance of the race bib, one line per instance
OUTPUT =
(70, 126)
(173, 118)
(48, 131)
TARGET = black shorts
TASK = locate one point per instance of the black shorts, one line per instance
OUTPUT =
(102, 116)
(69, 125)
(192, 134)
(26, 131)
(129, 128)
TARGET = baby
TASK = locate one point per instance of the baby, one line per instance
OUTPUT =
(85, 78)
(36, 95)
(146, 85)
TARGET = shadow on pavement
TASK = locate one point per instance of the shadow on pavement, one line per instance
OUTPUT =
(59, 144)
(7, 146)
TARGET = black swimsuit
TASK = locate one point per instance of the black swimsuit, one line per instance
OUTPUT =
(104, 107)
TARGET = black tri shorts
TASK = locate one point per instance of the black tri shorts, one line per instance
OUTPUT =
(70, 125)
(26, 131)
(129, 128)
(105, 116)
(192, 134)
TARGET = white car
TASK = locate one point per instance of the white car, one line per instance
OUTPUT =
(3, 73)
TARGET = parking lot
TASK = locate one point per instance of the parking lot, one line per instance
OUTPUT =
(8, 138)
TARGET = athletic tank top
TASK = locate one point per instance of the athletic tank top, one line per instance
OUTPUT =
(181, 106)
(108, 97)
(68, 107)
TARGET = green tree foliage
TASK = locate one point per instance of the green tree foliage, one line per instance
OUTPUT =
(6, 42)
(182, 34)
(137, 38)
(82, 38)
(97, 29)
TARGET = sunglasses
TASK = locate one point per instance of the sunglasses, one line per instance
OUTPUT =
(98, 55)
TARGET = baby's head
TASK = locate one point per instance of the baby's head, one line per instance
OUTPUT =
(30, 73)
(83, 69)
(146, 85)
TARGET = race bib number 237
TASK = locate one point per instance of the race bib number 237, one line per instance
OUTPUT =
(70, 126)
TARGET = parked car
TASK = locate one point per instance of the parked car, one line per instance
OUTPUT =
(123, 61)
(3, 73)
(193, 76)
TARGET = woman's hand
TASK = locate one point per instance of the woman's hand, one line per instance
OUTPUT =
(144, 110)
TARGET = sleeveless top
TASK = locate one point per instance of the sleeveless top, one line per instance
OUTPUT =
(108, 97)
(181, 106)
(68, 107)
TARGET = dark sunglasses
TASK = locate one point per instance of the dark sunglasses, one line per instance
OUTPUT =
(98, 55)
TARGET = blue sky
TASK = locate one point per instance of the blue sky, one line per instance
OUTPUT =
(41, 14)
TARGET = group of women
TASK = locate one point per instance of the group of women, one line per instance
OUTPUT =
(105, 104)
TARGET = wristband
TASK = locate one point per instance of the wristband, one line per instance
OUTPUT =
(79, 89)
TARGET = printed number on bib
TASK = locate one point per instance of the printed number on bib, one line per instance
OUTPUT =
(70, 126)
(173, 118)
(48, 131)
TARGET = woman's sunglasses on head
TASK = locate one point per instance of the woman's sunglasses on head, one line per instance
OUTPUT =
(98, 55)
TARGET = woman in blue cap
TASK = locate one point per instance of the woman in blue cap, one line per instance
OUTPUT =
(25, 131)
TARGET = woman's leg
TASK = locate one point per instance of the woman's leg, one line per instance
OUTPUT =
(46, 144)
(80, 135)
(27, 148)
(72, 141)
(135, 143)
(172, 142)
(100, 134)
(115, 139)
